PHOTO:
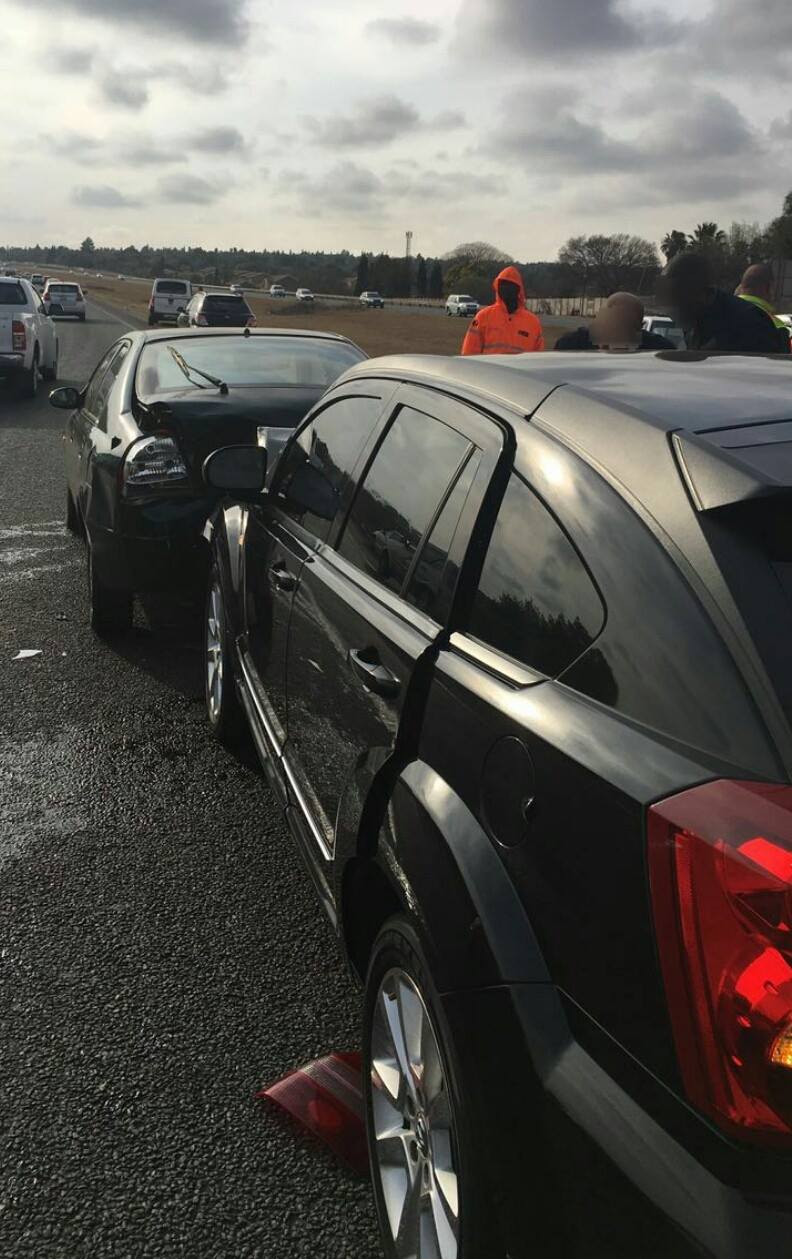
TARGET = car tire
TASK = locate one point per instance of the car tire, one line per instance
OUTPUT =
(223, 708)
(51, 373)
(433, 1128)
(110, 610)
(30, 379)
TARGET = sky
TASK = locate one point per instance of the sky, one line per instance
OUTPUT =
(340, 124)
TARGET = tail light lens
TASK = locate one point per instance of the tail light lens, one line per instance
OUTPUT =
(251, 323)
(720, 865)
(18, 336)
(153, 463)
(202, 321)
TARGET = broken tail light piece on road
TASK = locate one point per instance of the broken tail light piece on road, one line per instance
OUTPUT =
(325, 1097)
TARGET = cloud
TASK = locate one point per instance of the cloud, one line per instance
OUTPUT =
(76, 146)
(217, 140)
(144, 151)
(215, 22)
(448, 120)
(124, 89)
(346, 187)
(66, 60)
(102, 196)
(540, 128)
(744, 39)
(407, 31)
(378, 121)
(188, 190)
(556, 31)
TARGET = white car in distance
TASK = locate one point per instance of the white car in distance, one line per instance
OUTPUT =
(64, 297)
(277, 290)
(304, 295)
(28, 339)
(461, 304)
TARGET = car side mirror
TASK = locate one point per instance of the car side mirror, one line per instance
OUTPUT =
(237, 470)
(183, 320)
(67, 398)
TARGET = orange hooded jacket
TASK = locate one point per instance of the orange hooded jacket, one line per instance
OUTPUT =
(495, 331)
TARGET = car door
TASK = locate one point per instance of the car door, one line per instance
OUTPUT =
(280, 534)
(47, 334)
(366, 613)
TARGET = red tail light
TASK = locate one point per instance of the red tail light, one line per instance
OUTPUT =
(18, 336)
(202, 321)
(251, 323)
(720, 865)
(151, 304)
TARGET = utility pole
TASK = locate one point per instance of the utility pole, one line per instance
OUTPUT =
(408, 245)
(407, 263)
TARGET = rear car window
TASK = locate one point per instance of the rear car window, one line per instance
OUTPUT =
(170, 286)
(425, 588)
(535, 600)
(225, 301)
(64, 288)
(283, 362)
(401, 494)
(12, 294)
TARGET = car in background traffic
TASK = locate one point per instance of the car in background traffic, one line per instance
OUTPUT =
(461, 304)
(277, 290)
(39, 282)
(665, 327)
(304, 295)
(168, 299)
(64, 297)
(28, 337)
(138, 432)
(372, 299)
(217, 310)
(236, 288)
(546, 802)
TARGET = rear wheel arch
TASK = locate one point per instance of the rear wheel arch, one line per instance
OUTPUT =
(422, 852)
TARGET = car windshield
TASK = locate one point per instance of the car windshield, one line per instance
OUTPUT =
(464, 297)
(281, 362)
(12, 294)
(171, 286)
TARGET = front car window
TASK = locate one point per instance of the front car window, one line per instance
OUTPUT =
(400, 495)
(255, 361)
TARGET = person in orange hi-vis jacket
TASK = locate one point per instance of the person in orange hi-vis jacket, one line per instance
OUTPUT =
(505, 327)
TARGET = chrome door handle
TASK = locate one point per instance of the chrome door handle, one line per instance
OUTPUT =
(367, 666)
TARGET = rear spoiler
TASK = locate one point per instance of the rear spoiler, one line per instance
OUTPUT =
(722, 476)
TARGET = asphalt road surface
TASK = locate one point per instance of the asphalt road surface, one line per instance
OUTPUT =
(162, 955)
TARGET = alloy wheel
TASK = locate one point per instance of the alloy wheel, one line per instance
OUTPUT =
(214, 653)
(414, 1146)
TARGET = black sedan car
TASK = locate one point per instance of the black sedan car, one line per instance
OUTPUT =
(157, 404)
(544, 787)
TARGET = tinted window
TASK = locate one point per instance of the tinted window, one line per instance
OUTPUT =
(64, 288)
(103, 381)
(535, 600)
(12, 295)
(318, 465)
(403, 489)
(171, 286)
(430, 587)
(225, 301)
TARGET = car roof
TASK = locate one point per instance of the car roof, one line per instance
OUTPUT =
(667, 390)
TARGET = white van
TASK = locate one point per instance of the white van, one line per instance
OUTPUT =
(168, 299)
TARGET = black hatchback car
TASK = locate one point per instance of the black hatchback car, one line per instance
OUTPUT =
(542, 784)
(157, 404)
(217, 310)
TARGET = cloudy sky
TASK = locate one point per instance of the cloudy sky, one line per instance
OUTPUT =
(341, 123)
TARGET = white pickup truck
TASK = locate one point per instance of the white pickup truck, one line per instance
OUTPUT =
(28, 338)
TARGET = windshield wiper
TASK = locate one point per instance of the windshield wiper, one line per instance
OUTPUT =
(188, 369)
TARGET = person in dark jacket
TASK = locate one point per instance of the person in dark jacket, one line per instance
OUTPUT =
(617, 326)
(710, 318)
(756, 287)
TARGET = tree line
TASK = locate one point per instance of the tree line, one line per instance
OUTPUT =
(593, 265)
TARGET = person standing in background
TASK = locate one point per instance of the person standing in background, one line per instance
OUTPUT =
(756, 287)
(505, 327)
(712, 319)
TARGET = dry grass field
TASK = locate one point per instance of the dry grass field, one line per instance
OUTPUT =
(375, 331)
